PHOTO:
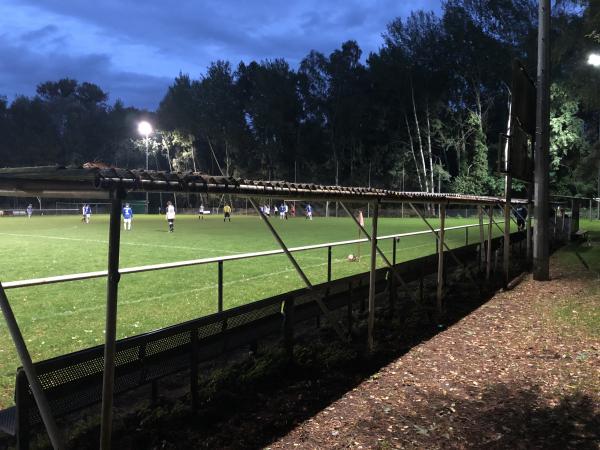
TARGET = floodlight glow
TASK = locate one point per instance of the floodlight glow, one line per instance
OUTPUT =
(144, 128)
(594, 59)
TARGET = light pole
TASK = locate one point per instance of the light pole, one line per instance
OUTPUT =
(594, 60)
(541, 238)
(145, 129)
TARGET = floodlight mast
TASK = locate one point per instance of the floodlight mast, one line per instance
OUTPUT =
(541, 235)
(594, 60)
(145, 129)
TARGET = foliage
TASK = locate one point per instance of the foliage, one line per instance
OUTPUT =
(566, 128)
(434, 93)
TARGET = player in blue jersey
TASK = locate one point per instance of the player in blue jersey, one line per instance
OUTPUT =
(127, 217)
(29, 210)
(309, 211)
(87, 213)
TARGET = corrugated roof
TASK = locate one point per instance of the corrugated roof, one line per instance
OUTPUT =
(95, 182)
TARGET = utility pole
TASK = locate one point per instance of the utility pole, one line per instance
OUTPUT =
(541, 252)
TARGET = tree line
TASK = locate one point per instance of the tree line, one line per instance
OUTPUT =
(424, 112)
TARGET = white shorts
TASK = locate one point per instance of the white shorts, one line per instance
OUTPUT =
(127, 220)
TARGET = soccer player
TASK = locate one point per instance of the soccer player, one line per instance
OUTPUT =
(281, 212)
(171, 216)
(29, 210)
(87, 213)
(226, 212)
(309, 211)
(521, 215)
(201, 212)
(285, 210)
(127, 216)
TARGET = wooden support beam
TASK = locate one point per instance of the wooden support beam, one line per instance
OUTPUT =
(300, 272)
(481, 238)
(34, 382)
(385, 259)
(110, 336)
(372, 276)
(488, 253)
(440, 272)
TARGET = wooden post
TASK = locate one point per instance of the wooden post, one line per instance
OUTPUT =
(383, 257)
(25, 358)
(372, 276)
(481, 238)
(529, 246)
(112, 288)
(329, 263)
(194, 368)
(440, 272)
(288, 325)
(488, 254)
(506, 251)
(220, 286)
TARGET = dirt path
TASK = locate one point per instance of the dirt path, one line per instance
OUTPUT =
(509, 375)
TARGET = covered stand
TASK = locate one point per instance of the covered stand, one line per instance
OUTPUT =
(114, 184)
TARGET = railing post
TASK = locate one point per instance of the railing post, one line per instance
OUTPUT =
(288, 325)
(393, 288)
(372, 276)
(440, 272)
(466, 236)
(112, 288)
(220, 286)
(481, 239)
(488, 253)
(194, 367)
(329, 263)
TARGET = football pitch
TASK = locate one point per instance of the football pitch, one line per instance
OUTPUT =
(61, 318)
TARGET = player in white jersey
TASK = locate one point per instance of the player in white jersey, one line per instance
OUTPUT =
(171, 216)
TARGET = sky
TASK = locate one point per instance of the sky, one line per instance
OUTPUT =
(134, 49)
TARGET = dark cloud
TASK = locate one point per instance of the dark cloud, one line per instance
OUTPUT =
(40, 33)
(159, 39)
(21, 70)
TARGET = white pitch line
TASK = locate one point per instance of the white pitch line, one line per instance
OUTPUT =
(99, 241)
(178, 293)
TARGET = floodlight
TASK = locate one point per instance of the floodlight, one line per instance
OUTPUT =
(144, 128)
(594, 59)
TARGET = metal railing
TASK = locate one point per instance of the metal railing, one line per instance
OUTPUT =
(221, 259)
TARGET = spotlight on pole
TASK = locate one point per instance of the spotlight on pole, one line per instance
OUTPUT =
(145, 129)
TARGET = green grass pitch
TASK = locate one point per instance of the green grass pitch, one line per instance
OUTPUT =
(61, 318)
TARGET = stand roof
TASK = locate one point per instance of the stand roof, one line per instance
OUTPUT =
(101, 183)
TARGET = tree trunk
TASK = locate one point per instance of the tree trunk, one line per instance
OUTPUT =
(430, 150)
(419, 140)
(412, 150)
